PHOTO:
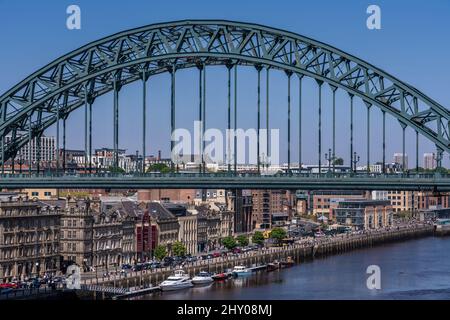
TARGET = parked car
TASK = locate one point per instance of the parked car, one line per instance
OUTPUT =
(191, 259)
(167, 261)
(127, 266)
(217, 254)
(138, 267)
(9, 285)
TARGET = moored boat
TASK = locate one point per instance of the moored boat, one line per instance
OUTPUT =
(220, 276)
(289, 262)
(241, 271)
(273, 266)
(180, 280)
(202, 278)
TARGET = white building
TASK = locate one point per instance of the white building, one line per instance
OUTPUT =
(398, 158)
(47, 149)
(429, 161)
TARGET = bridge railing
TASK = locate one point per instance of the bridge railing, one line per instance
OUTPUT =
(156, 175)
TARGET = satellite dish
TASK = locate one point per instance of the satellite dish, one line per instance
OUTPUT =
(73, 277)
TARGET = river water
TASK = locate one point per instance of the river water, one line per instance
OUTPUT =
(414, 269)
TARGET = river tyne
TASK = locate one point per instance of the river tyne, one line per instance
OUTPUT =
(413, 269)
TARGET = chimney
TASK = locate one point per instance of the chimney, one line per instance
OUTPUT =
(159, 155)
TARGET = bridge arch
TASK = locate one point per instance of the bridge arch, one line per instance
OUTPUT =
(57, 89)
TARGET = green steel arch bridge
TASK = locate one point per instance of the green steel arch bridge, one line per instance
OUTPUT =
(48, 96)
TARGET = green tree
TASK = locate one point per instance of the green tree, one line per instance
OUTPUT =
(242, 240)
(178, 249)
(159, 167)
(278, 234)
(338, 162)
(229, 243)
(258, 238)
(160, 252)
(116, 170)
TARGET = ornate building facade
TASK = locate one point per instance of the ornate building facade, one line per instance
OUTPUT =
(29, 238)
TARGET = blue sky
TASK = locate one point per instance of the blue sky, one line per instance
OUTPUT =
(412, 45)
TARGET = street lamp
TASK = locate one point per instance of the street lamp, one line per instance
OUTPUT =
(20, 163)
(355, 160)
(37, 269)
(330, 158)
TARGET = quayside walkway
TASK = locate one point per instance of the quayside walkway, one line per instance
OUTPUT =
(303, 250)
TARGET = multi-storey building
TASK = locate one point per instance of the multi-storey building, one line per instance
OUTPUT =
(363, 214)
(167, 195)
(98, 234)
(401, 159)
(429, 161)
(271, 207)
(29, 238)
(41, 194)
(143, 237)
(43, 148)
(319, 201)
(77, 233)
(166, 226)
(240, 202)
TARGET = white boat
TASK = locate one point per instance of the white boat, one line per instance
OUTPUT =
(180, 280)
(202, 278)
(241, 271)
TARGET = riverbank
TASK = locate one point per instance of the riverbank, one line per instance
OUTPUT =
(303, 250)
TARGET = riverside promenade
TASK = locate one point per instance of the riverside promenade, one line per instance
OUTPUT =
(302, 250)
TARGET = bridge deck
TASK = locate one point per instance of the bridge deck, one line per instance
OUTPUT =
(229, 181)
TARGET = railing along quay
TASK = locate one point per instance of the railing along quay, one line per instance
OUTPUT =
(303, 250)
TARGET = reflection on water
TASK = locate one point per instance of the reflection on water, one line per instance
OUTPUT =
(416, 269)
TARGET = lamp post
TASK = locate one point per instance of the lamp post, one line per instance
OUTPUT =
(37, 269)
(355, 160)
(20, 163)
(330, 158)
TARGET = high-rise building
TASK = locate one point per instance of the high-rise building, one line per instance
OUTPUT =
(429, 161)
(43, 148)
(398, 158)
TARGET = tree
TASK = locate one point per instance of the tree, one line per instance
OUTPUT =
(229, 243)
(178, 249)
(116, 170)
(160, 252)
(258, 238)
(159, 167)
(338, 162)
(242, 240)
(278, 234)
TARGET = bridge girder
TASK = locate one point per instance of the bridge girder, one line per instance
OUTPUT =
(128, 56)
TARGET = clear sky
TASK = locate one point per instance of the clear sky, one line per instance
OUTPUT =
(412, 45)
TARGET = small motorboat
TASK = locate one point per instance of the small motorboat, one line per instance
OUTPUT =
(202, 278)
(220, 276)
(289, 262)
(180, 280)
(273, 266)
(241, 271)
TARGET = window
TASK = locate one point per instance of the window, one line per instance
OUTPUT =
(35, 194)
(47, 193)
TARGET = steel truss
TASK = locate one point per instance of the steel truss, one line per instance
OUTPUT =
(81, 76)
